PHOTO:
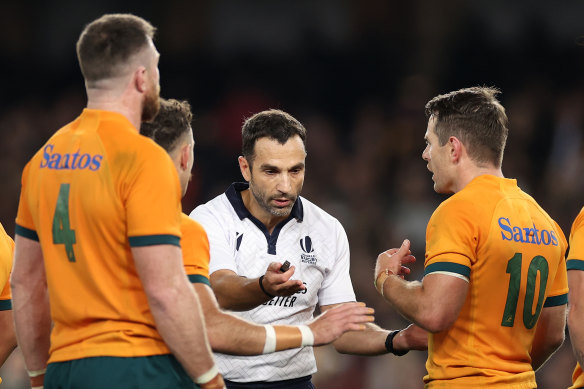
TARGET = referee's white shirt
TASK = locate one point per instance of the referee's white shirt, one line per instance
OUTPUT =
(310, 239)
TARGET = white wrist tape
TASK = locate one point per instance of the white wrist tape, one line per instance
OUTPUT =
(307, 335)
(208, 376)
(270, 344)
(36, 373)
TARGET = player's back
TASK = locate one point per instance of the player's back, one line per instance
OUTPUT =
(515, 257)
(87, 196)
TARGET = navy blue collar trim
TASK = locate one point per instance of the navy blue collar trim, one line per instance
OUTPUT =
(233, 194)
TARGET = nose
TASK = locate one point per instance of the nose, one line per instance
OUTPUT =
(425, 154)
(284, 184)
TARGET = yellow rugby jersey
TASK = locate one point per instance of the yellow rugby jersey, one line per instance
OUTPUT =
(497, 238)
(195, 250)
(6, 254)
(94, 190)
(576, 262)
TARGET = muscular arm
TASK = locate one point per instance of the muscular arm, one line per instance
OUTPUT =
(232, 335)
(576, 313)
(30, 303)
(238, 293)
(7, 335)
(371, 341)
(175, 306)
(549, 334)
(433, 304)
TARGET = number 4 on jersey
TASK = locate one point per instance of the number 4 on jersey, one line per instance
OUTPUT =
(62, 232)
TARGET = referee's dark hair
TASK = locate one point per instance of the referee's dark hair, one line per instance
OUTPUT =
(273, 124)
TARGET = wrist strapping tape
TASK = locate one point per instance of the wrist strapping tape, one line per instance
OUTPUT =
(208, 376)
(307, 335)
(270, 344)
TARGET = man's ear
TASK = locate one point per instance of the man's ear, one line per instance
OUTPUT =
(185, 151)
(456, 148)
(141, 79)
(245, 168)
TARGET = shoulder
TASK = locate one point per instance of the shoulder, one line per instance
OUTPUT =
(217, 207)
(312, 213)
(190, 226)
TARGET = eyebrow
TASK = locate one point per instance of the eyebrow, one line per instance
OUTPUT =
(267, 166)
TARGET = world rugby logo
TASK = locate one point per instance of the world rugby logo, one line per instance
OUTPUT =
(306, 246)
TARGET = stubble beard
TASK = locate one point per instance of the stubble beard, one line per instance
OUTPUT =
(263, 201)
(151, 105)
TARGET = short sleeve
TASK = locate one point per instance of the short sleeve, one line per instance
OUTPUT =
(195, 250)
(576, 253)
(337, 286)
(153, 205)
(218, 233)
(24, 222)
(451, 240)
(6, 256)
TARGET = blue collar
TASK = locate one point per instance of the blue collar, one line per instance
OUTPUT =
(233, 194)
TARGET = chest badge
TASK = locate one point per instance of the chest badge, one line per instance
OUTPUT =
(307, 255)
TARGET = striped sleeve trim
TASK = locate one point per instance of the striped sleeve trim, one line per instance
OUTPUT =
(575, 264)
(153, 240)
(5, 305)
(554, 301)
(449, 268)
(198, 279)
(27, 233)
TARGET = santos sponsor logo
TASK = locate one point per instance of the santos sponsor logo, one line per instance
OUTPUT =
(526, 234)
(73, 161)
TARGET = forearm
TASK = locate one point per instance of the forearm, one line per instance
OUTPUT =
(180, 322)
(575, 320)
(7, 335)
(33, 323)
(238, 293)
(549, 334)
(368, 342)
(407, 297)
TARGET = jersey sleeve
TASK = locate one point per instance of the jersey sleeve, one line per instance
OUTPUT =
(337, 287)
(6, 253)
(153, 205)
(24, 222)
(220, 247)
(576, 253)
(451, 240)
(195, 250)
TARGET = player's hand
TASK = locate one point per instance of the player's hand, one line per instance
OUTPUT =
(215, 383)
(394, 260)
(278, 283)
(411, 338)
(334, 322)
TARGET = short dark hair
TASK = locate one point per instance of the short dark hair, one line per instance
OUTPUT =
(173, 120)
(476, 117)
(108, 42)
(273, 124)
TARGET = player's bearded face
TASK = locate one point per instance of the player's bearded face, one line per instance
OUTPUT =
(269, 202)
(151, 103)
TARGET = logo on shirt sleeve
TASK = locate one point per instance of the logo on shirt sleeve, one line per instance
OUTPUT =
(308, 255)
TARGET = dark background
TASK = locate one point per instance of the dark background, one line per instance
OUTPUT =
(357, 74)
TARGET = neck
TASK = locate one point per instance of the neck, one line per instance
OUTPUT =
(268, 220)
(116, 100)
(470, 173)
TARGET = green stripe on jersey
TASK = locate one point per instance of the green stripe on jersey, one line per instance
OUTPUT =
(5, 305)
(153, 240)
(198, 279)
(554, 301)
(575, 264)
(448, 267)
(27, 233)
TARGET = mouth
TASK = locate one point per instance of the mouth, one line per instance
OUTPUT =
(282, 202)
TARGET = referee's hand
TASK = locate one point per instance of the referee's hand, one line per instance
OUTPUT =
(278, 283)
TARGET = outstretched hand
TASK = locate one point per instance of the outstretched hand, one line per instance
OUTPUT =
(394, 260)
(278, 283)
(334, 322)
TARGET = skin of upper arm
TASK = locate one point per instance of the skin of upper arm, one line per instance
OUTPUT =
(7, 335)
(160, 269)
(224, 284)
(576, 312)
(443, 297)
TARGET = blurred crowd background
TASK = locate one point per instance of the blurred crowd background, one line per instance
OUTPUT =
(357, 74)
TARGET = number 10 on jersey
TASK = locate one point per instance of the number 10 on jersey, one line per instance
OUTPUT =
(62, 232)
